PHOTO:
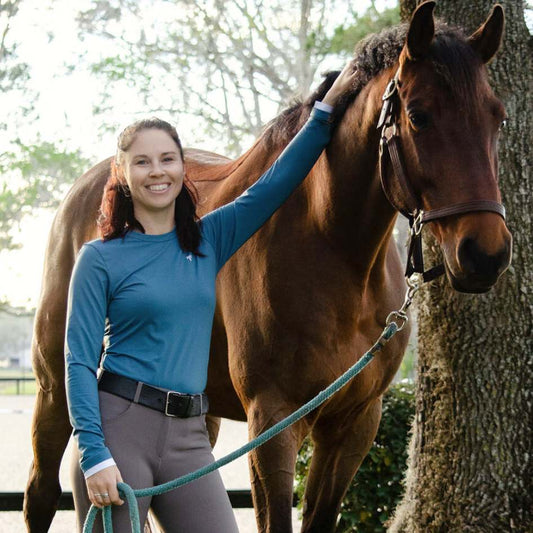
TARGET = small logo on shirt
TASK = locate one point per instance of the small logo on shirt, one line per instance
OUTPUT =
(189, 257)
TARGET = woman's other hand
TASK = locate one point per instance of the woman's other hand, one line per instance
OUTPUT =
(102, 487)
(341, 85)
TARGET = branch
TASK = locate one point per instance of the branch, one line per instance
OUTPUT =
(11, 8)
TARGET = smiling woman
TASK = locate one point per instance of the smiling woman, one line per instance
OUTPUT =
(146, 190)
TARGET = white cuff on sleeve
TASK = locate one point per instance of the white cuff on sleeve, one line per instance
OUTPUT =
(323, 107)
(98, 467)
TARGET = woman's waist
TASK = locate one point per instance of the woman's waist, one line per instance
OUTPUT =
(170, 402)
(186, 374)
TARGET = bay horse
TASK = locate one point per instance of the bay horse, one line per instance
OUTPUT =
(311, 290)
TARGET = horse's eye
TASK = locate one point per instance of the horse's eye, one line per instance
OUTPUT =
(418, 119)
(503, 124)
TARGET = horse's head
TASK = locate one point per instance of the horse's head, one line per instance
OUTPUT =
(448, 121)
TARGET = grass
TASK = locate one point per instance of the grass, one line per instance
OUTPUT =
(10, 387)
(27, 387)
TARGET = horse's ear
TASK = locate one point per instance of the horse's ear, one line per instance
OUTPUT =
(488, 37)
(421, 31)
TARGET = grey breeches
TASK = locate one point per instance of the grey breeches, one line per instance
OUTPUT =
(151, 448)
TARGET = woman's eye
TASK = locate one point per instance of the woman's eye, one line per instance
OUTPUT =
(166, 159)
(141, 162)
(419, 120)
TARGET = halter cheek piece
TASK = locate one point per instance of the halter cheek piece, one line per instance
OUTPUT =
(390, 149)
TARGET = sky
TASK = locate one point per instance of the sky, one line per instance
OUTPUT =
(65, 108)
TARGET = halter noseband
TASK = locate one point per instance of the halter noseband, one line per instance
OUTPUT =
(390, 145)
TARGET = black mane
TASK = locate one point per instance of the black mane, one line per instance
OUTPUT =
(450, 52)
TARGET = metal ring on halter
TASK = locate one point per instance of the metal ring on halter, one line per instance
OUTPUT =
(417, 223)
(397, 316)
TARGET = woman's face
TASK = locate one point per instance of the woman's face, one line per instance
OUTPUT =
(154, 172)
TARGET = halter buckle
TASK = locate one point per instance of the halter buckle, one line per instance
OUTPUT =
(418, 222)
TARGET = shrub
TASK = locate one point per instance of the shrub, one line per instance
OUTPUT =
(377, 488)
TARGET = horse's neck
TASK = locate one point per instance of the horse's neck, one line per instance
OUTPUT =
(347, 202)
(343, 194)
(220, 180)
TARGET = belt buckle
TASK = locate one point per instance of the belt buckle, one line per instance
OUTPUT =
(179, 394)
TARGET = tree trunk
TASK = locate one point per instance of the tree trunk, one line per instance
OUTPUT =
(470, 467)
(407, 7)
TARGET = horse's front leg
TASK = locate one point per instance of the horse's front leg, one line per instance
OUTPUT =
(50, 426)
(272, 465)
(341, 442)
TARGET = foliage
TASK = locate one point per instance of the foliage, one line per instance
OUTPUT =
(407, 370)
(378, 486)
(33, 176)
(371, 21)
(13, 73)
(230, 62)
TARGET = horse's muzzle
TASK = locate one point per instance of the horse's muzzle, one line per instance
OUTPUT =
(477, 270)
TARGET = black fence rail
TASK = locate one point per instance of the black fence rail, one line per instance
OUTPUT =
(12, 501)
(17, 380)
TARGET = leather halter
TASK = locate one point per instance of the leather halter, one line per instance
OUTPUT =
(390, 146)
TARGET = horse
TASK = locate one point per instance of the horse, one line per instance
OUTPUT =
(311, 290)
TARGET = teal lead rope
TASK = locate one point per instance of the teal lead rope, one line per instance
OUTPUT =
(394, 323)
(130, 495)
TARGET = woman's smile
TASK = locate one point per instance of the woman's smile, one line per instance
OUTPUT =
(154, 173)
(159, 187)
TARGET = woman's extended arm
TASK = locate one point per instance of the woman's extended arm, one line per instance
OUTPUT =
(231, 225)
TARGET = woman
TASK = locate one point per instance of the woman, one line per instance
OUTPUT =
(150, 294)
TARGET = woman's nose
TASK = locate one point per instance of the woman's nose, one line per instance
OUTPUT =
(156, 170)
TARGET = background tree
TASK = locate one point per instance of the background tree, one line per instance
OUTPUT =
(34, 176)
(33, 172)
(231, 63)
(13, 73)
(470, 456)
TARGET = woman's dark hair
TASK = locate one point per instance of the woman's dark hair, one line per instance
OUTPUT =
(116, 211)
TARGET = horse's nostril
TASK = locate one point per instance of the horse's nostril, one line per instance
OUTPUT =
(474, 261)
(466, 254)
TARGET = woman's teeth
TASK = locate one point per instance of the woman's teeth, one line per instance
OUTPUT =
(160, 187)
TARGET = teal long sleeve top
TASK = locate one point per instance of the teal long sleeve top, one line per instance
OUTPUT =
(152, 304)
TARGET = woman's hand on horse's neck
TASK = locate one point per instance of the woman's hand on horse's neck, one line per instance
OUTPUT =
(340, 86)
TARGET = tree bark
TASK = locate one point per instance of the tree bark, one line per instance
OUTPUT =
(407, 7)
(470, 467)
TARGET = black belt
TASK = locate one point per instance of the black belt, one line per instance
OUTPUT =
(169, 402)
